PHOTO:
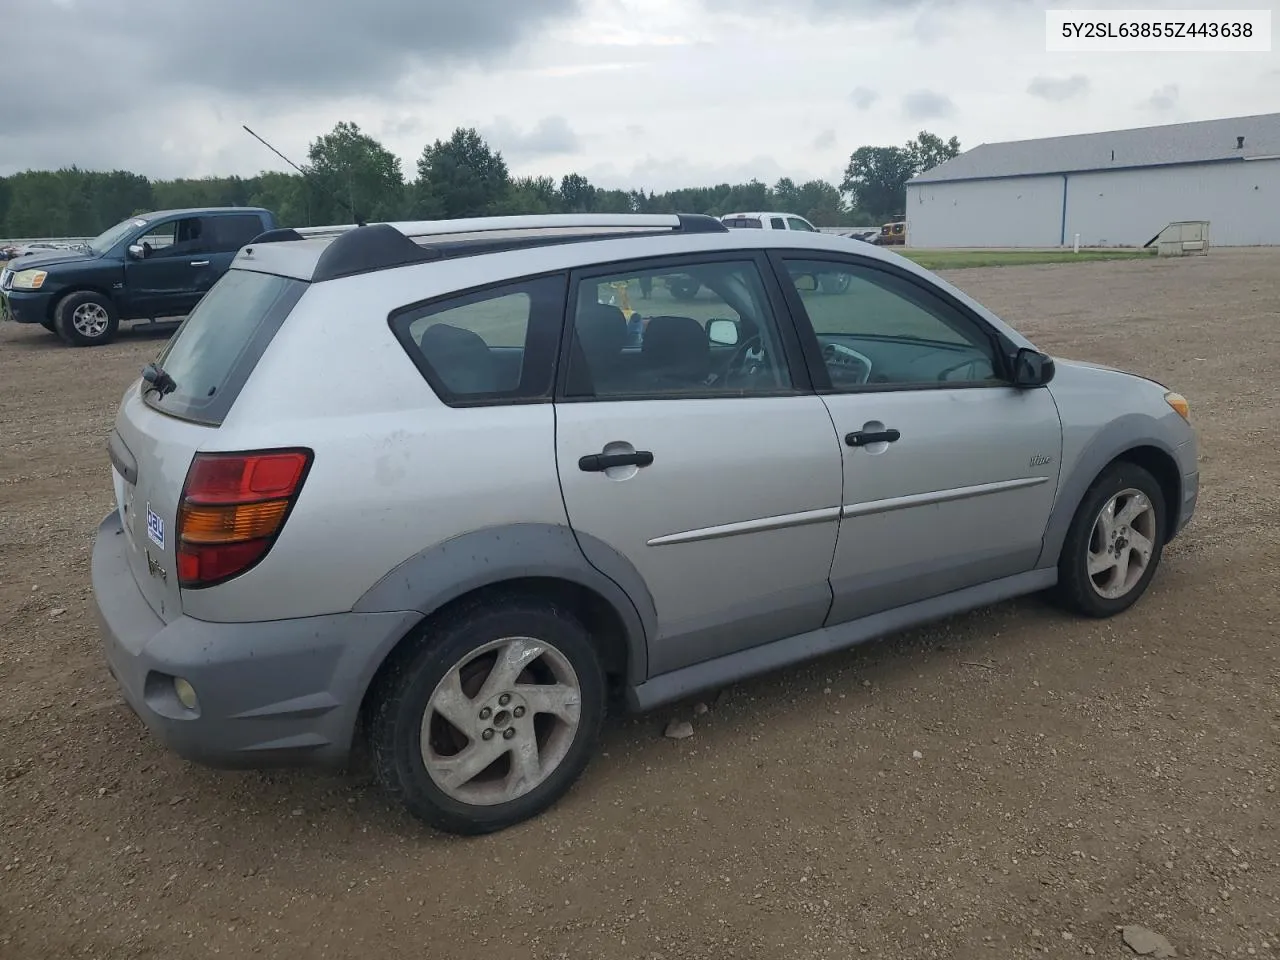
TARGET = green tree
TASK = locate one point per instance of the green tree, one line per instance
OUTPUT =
(350, 170)
(461, 177)
(786, 195)
(531, 195)
(929, 150)
(820, 203)
(577, 193)
(876, 178)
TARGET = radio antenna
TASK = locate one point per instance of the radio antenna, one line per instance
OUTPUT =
(360, 221)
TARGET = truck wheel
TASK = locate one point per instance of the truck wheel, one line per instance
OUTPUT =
(683, 288)
(491, 717)
(86, 319)
(49, 325)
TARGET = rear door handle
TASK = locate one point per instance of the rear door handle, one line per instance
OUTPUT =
(199, 263)
(599, 462)
(860, 438)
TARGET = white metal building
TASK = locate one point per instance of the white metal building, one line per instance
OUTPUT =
(1114, 189)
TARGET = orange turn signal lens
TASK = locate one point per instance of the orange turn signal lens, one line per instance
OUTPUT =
(231, 523)
(1179, 404)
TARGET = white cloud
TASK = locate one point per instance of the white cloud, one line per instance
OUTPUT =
(637, 93)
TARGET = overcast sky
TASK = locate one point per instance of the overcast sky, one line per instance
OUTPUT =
(632, 93)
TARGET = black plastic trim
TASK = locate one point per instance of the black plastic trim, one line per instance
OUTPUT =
(379, 246)
(700, 223)
(279, 235)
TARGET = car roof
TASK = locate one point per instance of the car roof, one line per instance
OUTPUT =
(195, 211)
(765, 213)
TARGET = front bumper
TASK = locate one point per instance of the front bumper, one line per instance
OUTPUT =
(279, 692)
(1188, 462)
(25, 306)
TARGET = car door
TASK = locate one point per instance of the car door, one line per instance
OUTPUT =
(700, 455)
(949, 471)
(165, 280)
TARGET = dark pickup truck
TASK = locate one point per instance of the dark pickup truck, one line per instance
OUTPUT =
(152, 266)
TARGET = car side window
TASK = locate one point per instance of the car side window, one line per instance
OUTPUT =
(795, 223)
(158, 239)
(699, 330)
(777, 223)
(876, 329)
(489, 346)
(229, 232)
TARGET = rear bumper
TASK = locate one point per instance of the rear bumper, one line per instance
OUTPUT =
(280, 692)
(25, 307)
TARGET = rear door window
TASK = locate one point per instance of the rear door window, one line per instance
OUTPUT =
(776, 223)
(212, 354)
(228, 233)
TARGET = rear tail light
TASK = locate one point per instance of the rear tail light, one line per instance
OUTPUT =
(232, 509)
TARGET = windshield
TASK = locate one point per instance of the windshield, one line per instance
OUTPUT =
(110, 237)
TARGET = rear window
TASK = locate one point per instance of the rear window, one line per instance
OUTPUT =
(211, 355)
(743, 223)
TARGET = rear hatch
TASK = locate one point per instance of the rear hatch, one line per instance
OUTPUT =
(159, 431)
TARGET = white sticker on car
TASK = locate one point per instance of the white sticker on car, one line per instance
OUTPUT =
(155, 528)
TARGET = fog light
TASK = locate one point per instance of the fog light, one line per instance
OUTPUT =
(186, 694)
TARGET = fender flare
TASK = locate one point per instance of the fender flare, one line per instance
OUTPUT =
(432, 578)
(1117, 438)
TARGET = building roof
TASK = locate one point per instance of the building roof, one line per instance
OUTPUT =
(1205, 141)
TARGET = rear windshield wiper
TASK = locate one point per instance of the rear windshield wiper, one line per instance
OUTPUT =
(157, 379)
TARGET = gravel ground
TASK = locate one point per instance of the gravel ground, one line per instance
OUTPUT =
(1010, 783)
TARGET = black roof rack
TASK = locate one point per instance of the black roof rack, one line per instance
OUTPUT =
(382, 246)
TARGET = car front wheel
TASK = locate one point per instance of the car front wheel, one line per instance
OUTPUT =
(1115, 542)
(492, 717)
(86, 319)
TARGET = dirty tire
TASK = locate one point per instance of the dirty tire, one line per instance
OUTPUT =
(71, 318)
(1076, 589)
(401, 702)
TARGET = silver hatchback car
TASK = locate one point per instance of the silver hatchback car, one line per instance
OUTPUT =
(448, 486)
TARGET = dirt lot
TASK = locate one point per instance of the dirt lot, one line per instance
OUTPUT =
(1073, 777)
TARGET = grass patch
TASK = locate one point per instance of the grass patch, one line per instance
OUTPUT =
(959, 259)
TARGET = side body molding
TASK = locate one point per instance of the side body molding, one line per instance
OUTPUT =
(1119, 436)
(427, 581)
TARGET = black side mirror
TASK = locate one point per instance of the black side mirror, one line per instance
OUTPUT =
(1031, 368)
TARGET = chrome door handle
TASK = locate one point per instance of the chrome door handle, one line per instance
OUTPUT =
(199, 263)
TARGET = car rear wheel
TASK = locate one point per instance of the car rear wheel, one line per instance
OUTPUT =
(493, 716)
(1115, 542)
(86, 319)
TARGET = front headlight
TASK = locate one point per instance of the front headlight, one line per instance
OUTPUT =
(29, 279)
(1179, 404)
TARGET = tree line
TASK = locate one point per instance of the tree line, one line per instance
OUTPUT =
(349, 175)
